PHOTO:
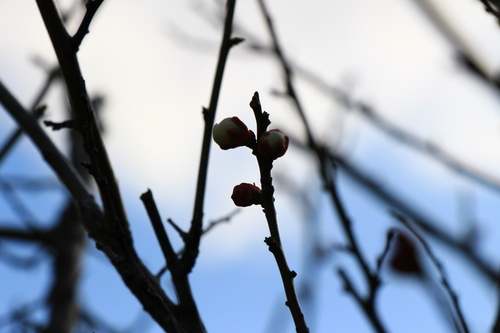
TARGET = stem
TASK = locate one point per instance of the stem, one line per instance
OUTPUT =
(111, 229)
(274, 242)
(196, 230)
(325, 170)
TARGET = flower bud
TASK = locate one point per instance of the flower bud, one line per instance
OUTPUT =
(405, 258)
(231, 133)
(245, 195)
(273, 144)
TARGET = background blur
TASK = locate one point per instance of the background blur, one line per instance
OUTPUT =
(153, 62)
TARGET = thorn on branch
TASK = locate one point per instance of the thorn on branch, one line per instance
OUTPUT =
(206, 114)
(235, 41)
(58, 126)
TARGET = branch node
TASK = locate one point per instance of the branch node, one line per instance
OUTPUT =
(92, 7)
(272, 244)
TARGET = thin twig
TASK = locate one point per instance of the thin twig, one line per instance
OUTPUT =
(31, 235)
(326, 172)
(38, 257)
(183, 235)
(224, 219)
(112, 234)
(92, 7)
(58, 162)
(399, 134)
(186, 311)
(196, 230)
(440, 268)
(431, 149)
(463, 47)
(161, 234)
(365, 303)
(274, 242)
(16, 203)
(14, 137)
(427, 224)
(181, 232)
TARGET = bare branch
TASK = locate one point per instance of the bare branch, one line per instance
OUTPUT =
(32, 235)
(161, 234)
(274, 242)
(218, 221)
(196, 230)
(111, 230)
(440, 268)
(326, 171)
(92, 7)
(60, 164)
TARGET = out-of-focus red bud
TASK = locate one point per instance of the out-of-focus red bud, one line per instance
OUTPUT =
(245, 195)
(232, 133)
(405, 258)
(273, 144)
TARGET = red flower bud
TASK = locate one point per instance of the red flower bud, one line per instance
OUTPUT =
(273, 144)
(405, 258)
(245, 195)
(232, 133)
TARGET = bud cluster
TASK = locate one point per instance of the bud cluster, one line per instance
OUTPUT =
(232, 133)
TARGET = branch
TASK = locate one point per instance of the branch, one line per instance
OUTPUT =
(442, 274)
(288, 73)
(325, 169)
(431, 149)
(366, 304)
(16, 203)
(92, 7)
(23, 262)
(112, 233)
(32, 184)
(32, 235)
(187, 311)
(38, 111)
(57, 161)
(464, 49)
(68, 240)
(68, 249)
(161, 234)
(218, 221)
(196, 230)
(274, 242)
